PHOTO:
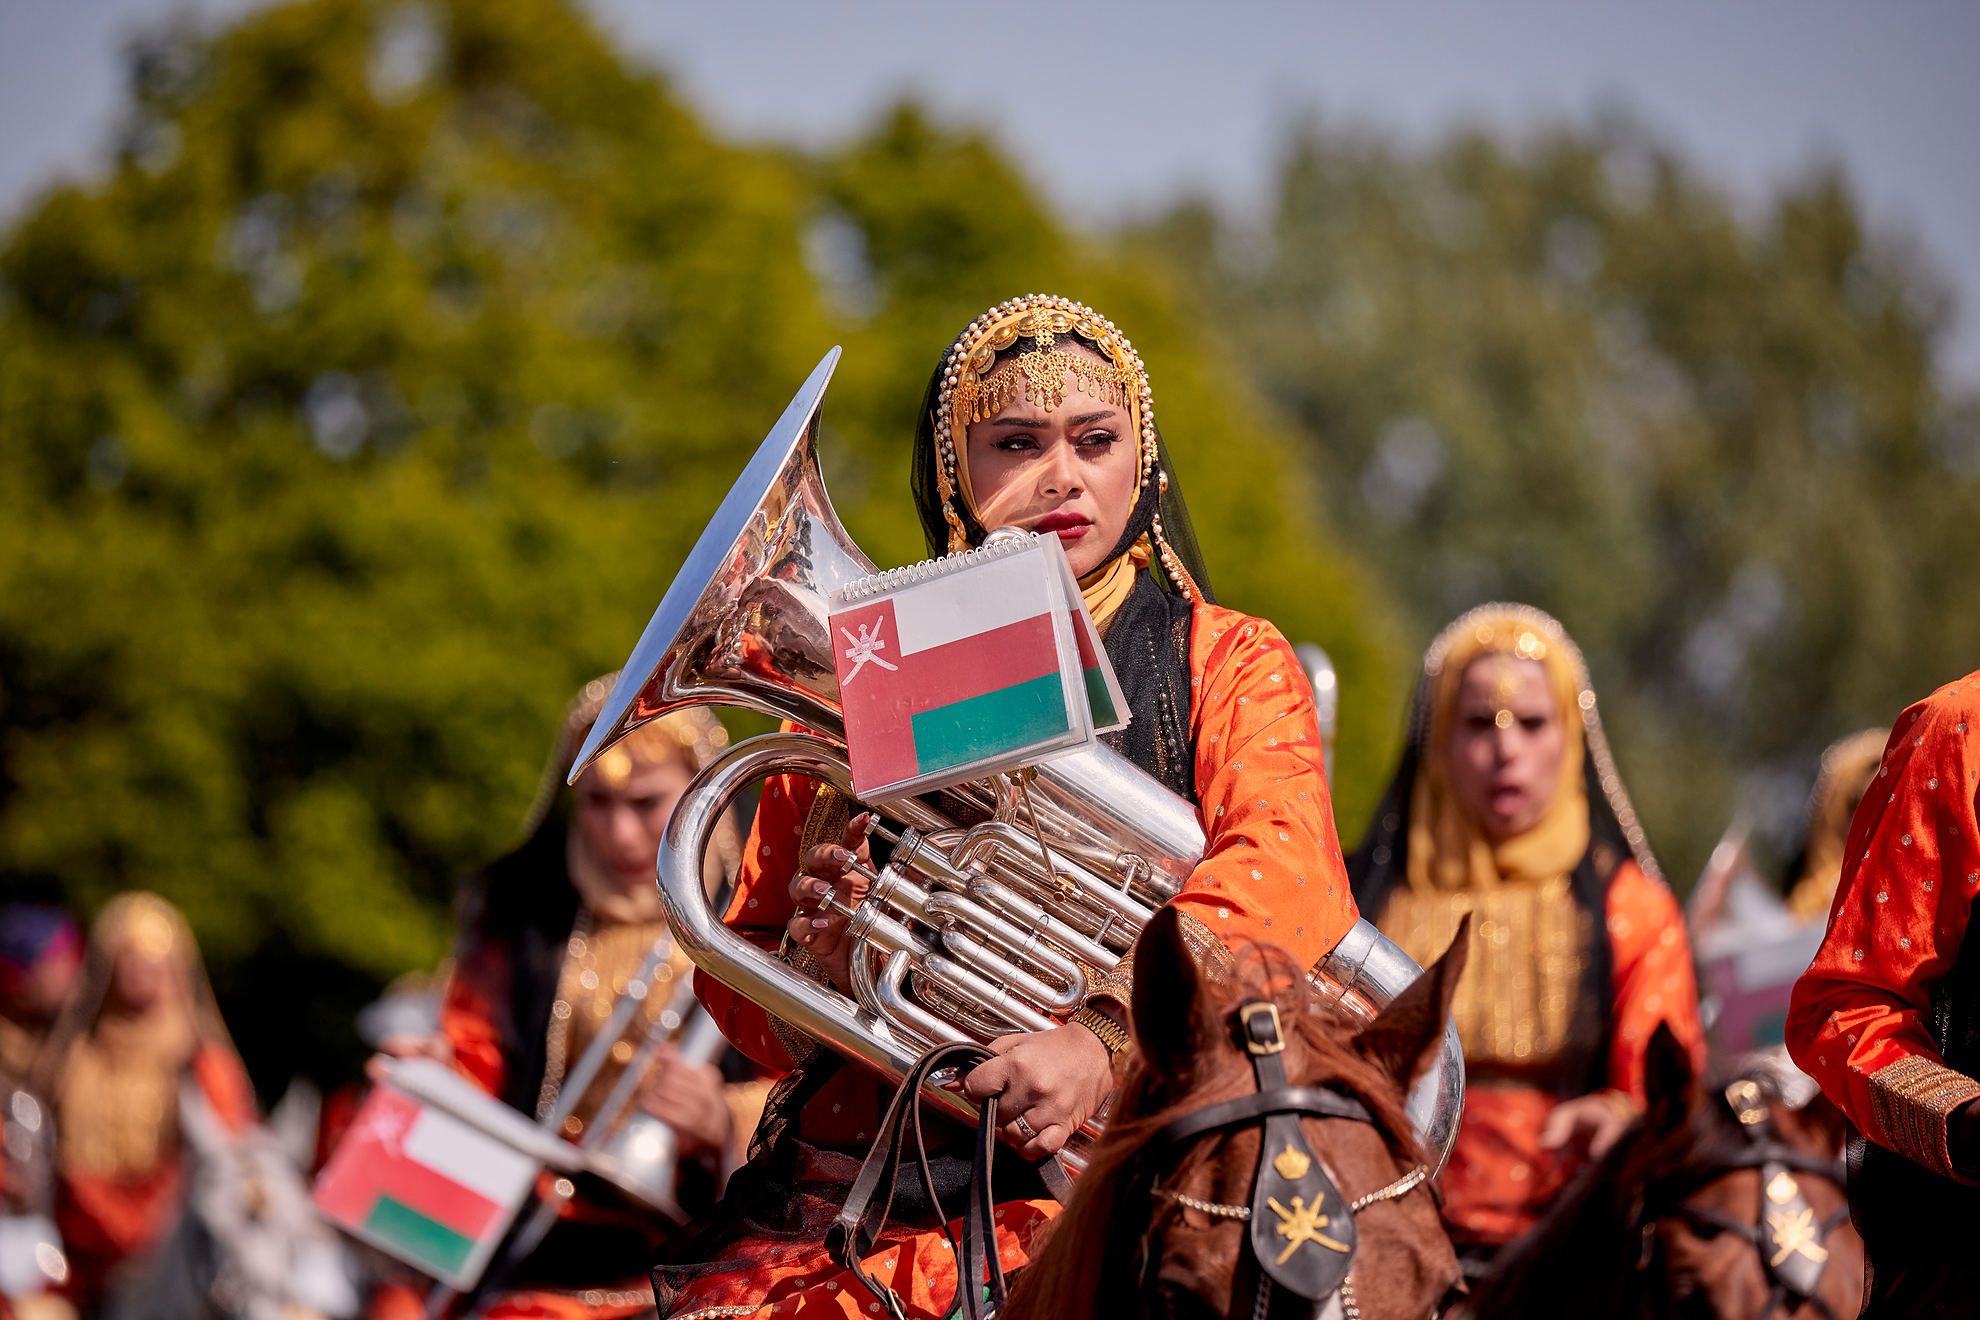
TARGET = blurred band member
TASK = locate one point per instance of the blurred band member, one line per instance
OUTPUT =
(551, 935)
(1848, 766)
(40, 957)
(40, 961)
(140, 1038)
(1887, 1018)
(1508, 806)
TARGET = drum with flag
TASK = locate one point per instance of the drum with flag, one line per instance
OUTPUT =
(433, 1171)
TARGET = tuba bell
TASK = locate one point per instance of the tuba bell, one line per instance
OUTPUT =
(963, 933)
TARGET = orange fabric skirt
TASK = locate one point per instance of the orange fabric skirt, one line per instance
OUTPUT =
(402, 1302)
(1500, 1180)
(920, 1267)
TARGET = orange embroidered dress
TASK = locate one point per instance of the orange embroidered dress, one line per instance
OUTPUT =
(1223, 716)
(1887, 1017)
(1578, 947)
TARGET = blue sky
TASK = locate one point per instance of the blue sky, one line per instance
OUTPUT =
(1114, 104)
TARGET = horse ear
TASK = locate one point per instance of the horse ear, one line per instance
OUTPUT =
(1173, 1019)
(1405, 1036)
(1669, 1079)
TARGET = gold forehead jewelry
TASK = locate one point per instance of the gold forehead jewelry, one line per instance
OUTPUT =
(1505, 680)
(974, 387)
(148, 926)
(693, 734)
(615, 767)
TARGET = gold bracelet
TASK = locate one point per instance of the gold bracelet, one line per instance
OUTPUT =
(1111, 1033)
(1620, 1101)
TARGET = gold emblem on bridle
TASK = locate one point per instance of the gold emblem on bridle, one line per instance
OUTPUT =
(1794, 1235)
(1291, 1164)
(1302, 1224)
(1783, 1188)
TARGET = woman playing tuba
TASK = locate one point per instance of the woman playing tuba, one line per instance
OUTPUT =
(1039, 416)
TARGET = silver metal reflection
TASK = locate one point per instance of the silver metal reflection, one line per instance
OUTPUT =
(965, 933)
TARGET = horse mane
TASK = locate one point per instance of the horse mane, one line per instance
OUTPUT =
(1085, 1247)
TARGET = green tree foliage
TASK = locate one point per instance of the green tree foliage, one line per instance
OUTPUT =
(1711, 439)
(366, 407)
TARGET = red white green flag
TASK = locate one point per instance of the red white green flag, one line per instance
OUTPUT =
(425, 1185)
(955, 669)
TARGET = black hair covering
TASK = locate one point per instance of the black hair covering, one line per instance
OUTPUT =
(1381, 862)
(1148, 639)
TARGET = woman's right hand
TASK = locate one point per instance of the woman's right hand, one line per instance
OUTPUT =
(819, 932)
(436, 1047)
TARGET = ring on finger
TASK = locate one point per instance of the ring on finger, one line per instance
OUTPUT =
(1024, 1128)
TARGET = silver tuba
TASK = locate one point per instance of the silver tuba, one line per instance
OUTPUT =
(964, 934)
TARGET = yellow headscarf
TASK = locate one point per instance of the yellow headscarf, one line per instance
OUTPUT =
(1447, 848)
(1515, 1005)
(1847, 767)
(114, 1077)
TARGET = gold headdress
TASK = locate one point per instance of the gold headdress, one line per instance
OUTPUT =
(974, 387)
(693, 733)
(1848, 766)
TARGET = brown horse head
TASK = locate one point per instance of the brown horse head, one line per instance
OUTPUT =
(1718, 1201)
(1157, 1228)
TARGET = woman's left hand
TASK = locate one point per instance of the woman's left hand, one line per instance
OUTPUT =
(1589, 1123)
(1054, 1080)
(689, 1098)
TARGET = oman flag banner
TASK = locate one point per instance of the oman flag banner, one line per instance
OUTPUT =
(961, 667)
(432, 1184)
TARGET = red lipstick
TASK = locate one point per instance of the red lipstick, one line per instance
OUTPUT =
(1068, 526)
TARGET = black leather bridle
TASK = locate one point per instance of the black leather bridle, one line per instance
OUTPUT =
(1302, 1230)
(1791, 1242)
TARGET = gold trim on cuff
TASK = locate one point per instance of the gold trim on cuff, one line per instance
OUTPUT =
(1910, 1101)
(1111, 1033)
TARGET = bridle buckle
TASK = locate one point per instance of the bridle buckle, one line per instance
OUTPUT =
(1260, 1022)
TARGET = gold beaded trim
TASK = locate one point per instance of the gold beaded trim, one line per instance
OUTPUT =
(1111, 1033)
(1910, 1101)
(584, 987)
(974, 387)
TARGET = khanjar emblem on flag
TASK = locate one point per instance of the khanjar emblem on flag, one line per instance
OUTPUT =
(424, 1181)
(964, 666)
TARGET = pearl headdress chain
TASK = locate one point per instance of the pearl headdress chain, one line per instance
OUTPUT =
(975, 387)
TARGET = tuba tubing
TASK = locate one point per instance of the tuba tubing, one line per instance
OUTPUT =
(755, 973)
(745, 624)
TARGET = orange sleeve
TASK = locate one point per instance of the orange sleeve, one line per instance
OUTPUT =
(759, 910)
(1272, 869)
(224, 1083)
(1857, 1019)
(467, 1020)
(1652, 976)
